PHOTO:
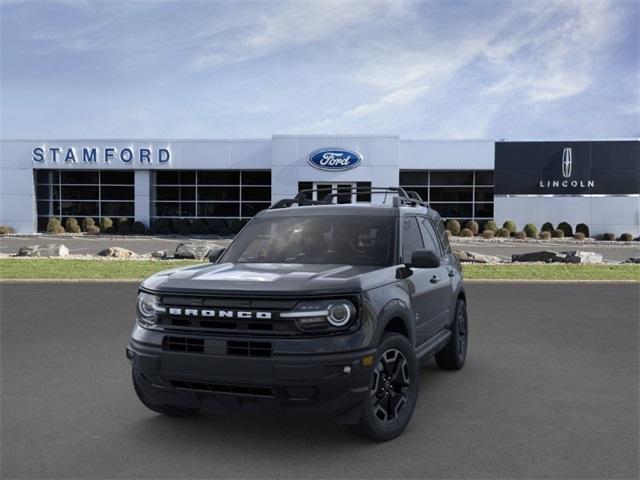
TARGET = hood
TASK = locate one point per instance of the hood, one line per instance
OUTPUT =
(270, 278)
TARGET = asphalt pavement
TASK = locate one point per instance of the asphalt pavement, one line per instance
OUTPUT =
(550, 390)
(92, 245)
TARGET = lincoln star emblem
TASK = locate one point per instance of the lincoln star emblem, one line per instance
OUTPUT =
(566, 162)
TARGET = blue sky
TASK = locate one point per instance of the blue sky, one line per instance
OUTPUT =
(424, 70)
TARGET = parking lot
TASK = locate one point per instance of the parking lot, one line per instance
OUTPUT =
(550, 390)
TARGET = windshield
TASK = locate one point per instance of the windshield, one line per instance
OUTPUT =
(319, 239)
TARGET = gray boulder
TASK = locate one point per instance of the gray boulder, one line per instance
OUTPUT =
(632, 260)
(197, 251)
(473, 257)
(50, 250)
(582, 257)
(117, 252)
(160, 254)
(546, 256)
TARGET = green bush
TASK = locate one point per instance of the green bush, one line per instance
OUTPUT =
(510, 225)
(58, 230)
(106, 225)
(490, 225)
(520, 235)
(488, 234)
(465, 232)
(161, 226)
(453, 226)
(544, 235)
(71, 225)
(547, 227)
(503, 233)
(86, 223)
(4, 229)
(53, 224)
(608, 236)
(473, 226)
(123, 226)
(138, 228)
(557, 233)
(578, 236)
(93, 230)
(583, 228)
(566, 228)
(530, 230)
(626, 237)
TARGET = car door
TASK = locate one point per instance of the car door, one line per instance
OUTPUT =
(442, 291)
(420, 283)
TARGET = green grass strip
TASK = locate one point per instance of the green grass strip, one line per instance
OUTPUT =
(61, 269)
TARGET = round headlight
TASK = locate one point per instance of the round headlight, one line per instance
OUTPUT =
(339, 314)
(148, 308)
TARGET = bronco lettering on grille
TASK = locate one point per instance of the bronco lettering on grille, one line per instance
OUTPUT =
(212, 313)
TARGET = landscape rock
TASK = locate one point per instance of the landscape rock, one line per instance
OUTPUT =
(50, 250)
(473, 257)
(160, 254)
(546, 256)
(117, 252)
(632, 260)
(196, 251)
(582, 257)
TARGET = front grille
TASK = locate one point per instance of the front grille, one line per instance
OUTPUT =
(249, 349)
(182, 344)
(245, 390)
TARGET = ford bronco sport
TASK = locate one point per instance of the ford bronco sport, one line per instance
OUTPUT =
(315, 308)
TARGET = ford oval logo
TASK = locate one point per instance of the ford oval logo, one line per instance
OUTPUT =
(334, 159)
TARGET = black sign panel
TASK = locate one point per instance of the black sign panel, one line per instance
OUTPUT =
(567, 168)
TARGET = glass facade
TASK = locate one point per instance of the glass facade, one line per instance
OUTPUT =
(86, 193)
(219, 194)
(459, 194)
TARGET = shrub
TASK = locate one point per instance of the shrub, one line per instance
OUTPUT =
(530, 230)
(138, 228)
(453, 226)
(488, 234)
(520, 235)
(626, 237)
(503, 233)
(607, 237)
(566, 228)
(465, 232)
(93, 230)
(71, 225)
(510, 225)
(161, 226)
(123, 226)
(52, 224)
(547, 227)
(106, 225)
(473, 226)
(58, 230)
(491, 225)
(579, 236)
(86, 223)
(545, 235)
(4, 229)
(449, 234)
(557, 233)
(583, 228)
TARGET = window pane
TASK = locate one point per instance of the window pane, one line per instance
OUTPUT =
(43, 208)
(168, 178)
(484, 177)
(117, 209)
(250, 209)
(76, 209)
(418, 177)
(256, 193)
(218, 193)
(484, 210)
(429, 236)
(411, 238)
(219, 177)
(77, 192)
(455, 177)
(442, 233)
(119, 178)
(167, 209)
(42, 176)
(56, 208)
(188, 209)
(363, 196)
(484, 194)
(451, 194)
(422, 191)
(42, 224)
(218, 209)
(168, 193)
(256, 178)
(188, 193)
(453, 210)
(79, 177)
(42, 191)
(117, 193)
(188, 177)
(306, 186)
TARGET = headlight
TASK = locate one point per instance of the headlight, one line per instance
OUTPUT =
(323, 315)
(148, 309)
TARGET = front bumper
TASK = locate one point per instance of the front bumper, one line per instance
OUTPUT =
(325, 384)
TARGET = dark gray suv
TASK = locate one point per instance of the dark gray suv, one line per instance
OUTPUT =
(314, 309)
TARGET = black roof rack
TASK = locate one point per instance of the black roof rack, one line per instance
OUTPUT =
(401, 196)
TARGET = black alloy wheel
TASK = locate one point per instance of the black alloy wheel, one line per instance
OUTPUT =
(391, 382)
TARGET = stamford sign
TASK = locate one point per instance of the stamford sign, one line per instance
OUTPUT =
(95, 155)
(334, 159)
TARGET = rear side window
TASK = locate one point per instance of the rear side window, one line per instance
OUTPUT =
(430, 237)
(442, 234)
(411, 238)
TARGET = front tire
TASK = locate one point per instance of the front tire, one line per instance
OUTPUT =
(393, 391)
(454, 354)
(168, 410)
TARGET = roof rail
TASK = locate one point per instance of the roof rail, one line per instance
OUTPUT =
(401, 198)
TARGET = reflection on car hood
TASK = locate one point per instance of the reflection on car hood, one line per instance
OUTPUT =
(268, 278)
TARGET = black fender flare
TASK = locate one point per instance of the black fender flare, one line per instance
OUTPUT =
(395, 309)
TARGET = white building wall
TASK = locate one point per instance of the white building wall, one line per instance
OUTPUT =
(447, 154)
(17, 187)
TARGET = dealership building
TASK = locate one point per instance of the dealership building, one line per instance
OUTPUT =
(596, 182)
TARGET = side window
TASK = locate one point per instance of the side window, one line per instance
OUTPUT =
(442, 234)
(430, 239)
(411, 238)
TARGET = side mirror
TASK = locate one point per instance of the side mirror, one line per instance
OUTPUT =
(424, 259)
(215, 253)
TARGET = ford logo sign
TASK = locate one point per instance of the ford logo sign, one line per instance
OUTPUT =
(334, 159)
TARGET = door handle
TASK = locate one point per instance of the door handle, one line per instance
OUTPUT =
(452, 273)
(435, 279)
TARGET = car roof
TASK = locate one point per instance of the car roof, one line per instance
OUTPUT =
(371, 209)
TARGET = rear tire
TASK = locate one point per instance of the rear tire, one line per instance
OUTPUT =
(168, 410)
(393, 390)
(454, 354)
